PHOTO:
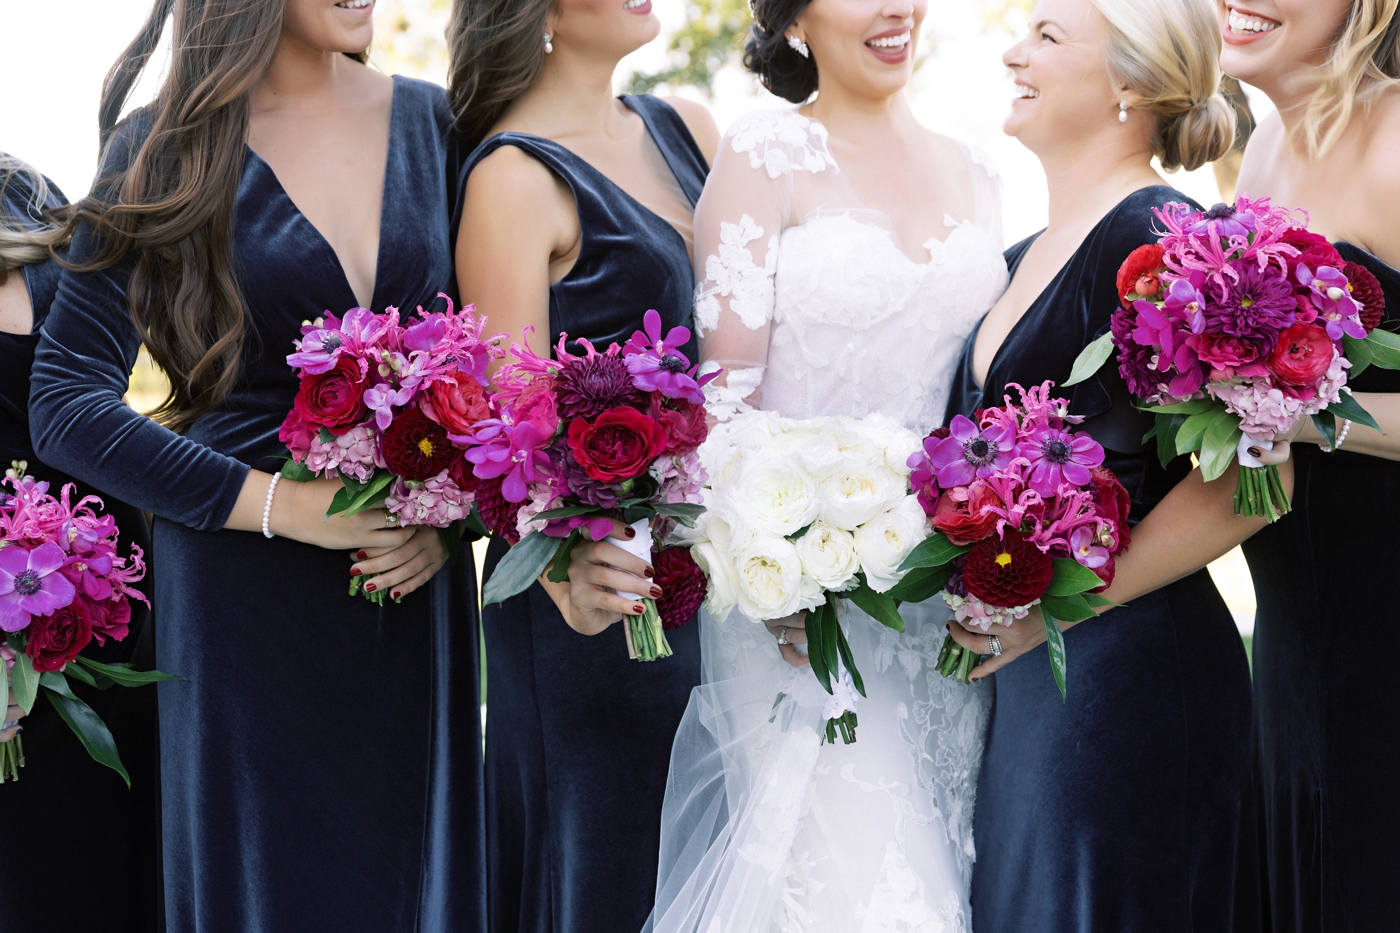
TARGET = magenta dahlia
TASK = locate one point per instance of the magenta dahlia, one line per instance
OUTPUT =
(1256, 306)
(592, 384)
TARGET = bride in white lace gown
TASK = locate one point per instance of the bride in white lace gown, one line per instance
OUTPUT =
(840, 273)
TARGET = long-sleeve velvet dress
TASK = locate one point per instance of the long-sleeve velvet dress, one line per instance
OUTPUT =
(1325, 687)
(578, 737)
(1128, 807)
(64, 802)
(320, 767)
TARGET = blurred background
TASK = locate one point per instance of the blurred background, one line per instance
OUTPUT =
(60, 50)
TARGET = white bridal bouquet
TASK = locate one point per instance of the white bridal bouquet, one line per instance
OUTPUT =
(801, 513)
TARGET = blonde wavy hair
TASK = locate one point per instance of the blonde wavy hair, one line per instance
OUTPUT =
(1363, 64)
(1169, 52)
(23, 244)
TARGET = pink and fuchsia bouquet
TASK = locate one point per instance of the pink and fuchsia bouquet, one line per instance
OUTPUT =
(1235, 325)
(1024, 514)
(575, 442)
(63, 583)
(384, 405)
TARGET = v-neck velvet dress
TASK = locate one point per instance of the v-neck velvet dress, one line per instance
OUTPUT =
(320, 767)
(578, 737)
(1128, 807)
(63, 798)
(1325, 686)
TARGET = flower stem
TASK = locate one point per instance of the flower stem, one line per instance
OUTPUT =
(646, 639)
(1259, 491)
(11, 759)
(845, 724)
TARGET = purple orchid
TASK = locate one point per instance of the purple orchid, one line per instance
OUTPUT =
(383, 398)
(658, 365)
(1058, 457)
(1328, 292)
(1083, 544)
(30, 584)
(513, 451)
(970, 452)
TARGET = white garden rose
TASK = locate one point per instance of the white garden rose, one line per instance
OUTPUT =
(854, 489)
(768, 578)
(775, 495)
(828, 555)
(885, 541)
(712, 555)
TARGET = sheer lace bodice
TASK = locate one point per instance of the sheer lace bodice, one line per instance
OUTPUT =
(807, 297)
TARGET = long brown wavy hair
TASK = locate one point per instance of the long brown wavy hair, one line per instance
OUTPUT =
(497, 53)
(169, 204)
(27, 240)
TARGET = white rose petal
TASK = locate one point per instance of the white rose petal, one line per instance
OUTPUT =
(828, 555)
(768, 577)
(853, 491)
(776, 496)
(712, 555)
(884, 542)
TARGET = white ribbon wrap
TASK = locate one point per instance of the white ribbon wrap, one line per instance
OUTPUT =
(639, 546)
(1242, 450)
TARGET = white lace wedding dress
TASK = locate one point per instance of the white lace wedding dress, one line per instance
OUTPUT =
(814, 308)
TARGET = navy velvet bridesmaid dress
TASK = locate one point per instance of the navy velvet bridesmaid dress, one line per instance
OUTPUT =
(1128, 807)
(1325, 687)
(320, 768)
(64, 802)
(578, 737)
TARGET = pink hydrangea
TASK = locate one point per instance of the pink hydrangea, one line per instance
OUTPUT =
(1265, 410)
(681, 476)
(541, 499)
(352, 455)
(437, 501)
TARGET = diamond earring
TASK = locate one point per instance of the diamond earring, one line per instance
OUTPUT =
(1122, 111)
(798, 46)
(548, 43)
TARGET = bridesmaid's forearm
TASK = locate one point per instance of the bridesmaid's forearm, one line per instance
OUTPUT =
(1385, 408)
(247, 514)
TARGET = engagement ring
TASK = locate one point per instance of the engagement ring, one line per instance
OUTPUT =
(782, 635)
(994, 644)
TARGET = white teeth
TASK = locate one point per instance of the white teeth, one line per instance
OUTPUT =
(1026, 92)
(1245, 25)
(633, 4)
(354, 4)
(890, 42)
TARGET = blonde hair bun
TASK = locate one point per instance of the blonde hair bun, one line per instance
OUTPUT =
(1203, 133)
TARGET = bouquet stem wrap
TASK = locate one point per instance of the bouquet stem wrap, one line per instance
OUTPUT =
(646, 640)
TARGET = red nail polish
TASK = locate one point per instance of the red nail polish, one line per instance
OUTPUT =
(359, 555)
(396, 594)
(656, 592)
(649, 572)
(354, 571)
(630, 532)
(370, 587)
(639, 609)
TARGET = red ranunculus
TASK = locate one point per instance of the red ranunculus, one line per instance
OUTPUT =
(457, 402)
(959, 513)
(1313, 251)
(297, 433)
(1225, 354)
(111, 618)
(333, 399)
(1008, 571)
(1366, 289)
(618, 446)
(685, 424)
(1302, 356)
(682, 585)
(1140, 271)
(1114, 504)
(55, 640)
(416, 447)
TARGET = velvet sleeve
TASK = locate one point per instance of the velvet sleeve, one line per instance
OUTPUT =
(82, 426)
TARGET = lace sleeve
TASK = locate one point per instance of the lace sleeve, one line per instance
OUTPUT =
(738, 224)
(986, 185)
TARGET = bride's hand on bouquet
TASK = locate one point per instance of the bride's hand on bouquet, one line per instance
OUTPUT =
(590, 602)
(1016, 639)
(792, 630)
(13, 714)
(404, 568)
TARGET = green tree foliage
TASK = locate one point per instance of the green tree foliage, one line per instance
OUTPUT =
(712, 37)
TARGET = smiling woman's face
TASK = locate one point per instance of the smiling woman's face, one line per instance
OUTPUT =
(1063, 89)
(1268, 39)
(331, 26)
(608, 27)
(866, 46)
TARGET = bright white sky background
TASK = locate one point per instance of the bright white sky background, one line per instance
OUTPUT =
(58, 51)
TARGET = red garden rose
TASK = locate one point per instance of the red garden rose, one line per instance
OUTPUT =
(333, 399)
(682, 585)
(618, 446)
(110, 618)
(457, 402)
(1223, 353)
(56, 639)
(416, 447)
(685, 424)
(297, 434)
(959, 513)
(1114, 503)
(1007, 572)
(1302, 356)
(1140, 271)
(1366, 289)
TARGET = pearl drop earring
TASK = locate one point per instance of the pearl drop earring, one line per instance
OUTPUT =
(548, 43)
(798, 46)
(1122, 111)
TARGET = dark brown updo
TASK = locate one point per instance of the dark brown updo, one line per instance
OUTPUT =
(768, 55)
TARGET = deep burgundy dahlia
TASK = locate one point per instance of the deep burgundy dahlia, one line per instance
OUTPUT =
(1134, 360)
(592, 385)
(1008, 571)
(497, 514)
(416, 447)
(589, 490)
(1366, 289)
(1256, 307)
(683, 584)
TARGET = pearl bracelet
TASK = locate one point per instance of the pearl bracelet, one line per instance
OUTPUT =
(267, 506)
(1341, 437)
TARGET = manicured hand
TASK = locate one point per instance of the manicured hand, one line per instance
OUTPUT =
(597, 571)
(299, 513)
(796, 626)
(1016, 639)
(401, 570)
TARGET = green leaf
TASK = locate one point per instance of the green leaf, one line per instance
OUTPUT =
(1218, 446)
(56, 682)
(1326, 424)
(1059, 662)
(559, 569)
(848, 659)
(296, 472)
(1071, 577)
(1348, 407)
(1068, 608)
(1385, 348)
(933, 551)
(1097, 600)
(520, 567)
(475, 526)
(1193, 430)
(830, 640)
(372, 495)
(1090, 360)
(24, 681)
(568, 511)
(684, 512)
(125, 676)
(816, 643)
(1166, 429)
(451, 537)
(325, 436)
(339, 502)
(90, 730)
(1359, 352)
(86, 676)
(1193, 407)
(882, 607)
(921, 584)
